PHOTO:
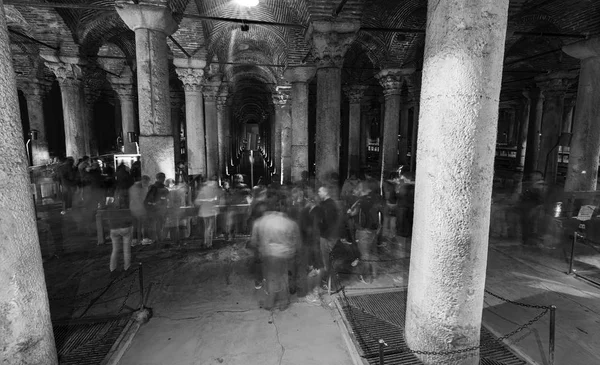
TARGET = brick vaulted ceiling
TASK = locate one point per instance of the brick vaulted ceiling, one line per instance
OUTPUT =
(253, 62)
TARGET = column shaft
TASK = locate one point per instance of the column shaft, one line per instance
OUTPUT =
(585, 144)
(403, 143)
(414, 145)
(74, 118)
(391, 129)
(462, 73)
(286, 144)
(299, 129)
(39, 147)
(277, 141)
(128, 123)
(156, 131)
(523, 131)
(196, 145)
(329, 97)
(211, 129)
(551, 127)
(26, 335)
(533, 134)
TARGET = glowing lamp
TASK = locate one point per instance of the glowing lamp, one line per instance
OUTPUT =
(246, 3)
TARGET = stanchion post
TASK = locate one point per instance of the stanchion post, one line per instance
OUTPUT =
(381, 343)
(141, 275)
(572, 251)
(552, 334)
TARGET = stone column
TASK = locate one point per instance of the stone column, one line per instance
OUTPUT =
(585, 144)
(283, 133)
(512, 124)
(177, 103)
(554, 88)
(403, 158)
(210, 92)
(391, 80)
(191, 74)
(299, 77)
(152, 24)
(35, 91)
(69, 78)
(223, 131)
(124, 88)
(569, 108)
(364, 135)
(355, 94)
(462, 74)
(329, 42)
(91, 95)
(26, 335)
(536, 111)
(523, 129)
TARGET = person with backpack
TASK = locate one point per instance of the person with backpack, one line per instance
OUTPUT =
(156, 203)
(367, 212)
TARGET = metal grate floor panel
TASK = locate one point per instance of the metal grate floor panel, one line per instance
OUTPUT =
(381, 316)
(87, 343)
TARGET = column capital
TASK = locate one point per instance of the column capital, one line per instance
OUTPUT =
(191, 78)
(355, 93)
(391, 79)
(330, 40)
(126, 92)
(210, 90)
(587, 48)
(91, 95)
(281, 96)
(299, 74)
(156, 16)
(67, 74)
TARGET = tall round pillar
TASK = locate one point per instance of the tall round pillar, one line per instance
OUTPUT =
(210, 92)
(177, 106)
(299, 77)
(223, 131)
(152, 24)
(462, 74)
(523, 129)
(567, 124)
(585, 144)
(192, 77)
(283, 132)
(355, 94)
(26, 335)
(536, 111)
(71, 90)
(391, 80)
(554, 87)
(91, 95)
(125, 92)
(329, 42)
(34, 92)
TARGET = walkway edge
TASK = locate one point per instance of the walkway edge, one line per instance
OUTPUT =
(121, 344)
(345, 330)
(511, 347)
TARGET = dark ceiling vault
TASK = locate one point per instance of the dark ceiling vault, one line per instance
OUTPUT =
(253, 61)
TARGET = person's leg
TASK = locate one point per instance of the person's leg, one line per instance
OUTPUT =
(126, 234)
(117, 241)
(301, 264)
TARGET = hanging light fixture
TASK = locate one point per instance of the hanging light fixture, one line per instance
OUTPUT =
(246, 3)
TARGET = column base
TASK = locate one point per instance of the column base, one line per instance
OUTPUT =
(299, 162)
(158, 155)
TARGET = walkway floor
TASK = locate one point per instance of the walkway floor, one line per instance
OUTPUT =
(206, 312)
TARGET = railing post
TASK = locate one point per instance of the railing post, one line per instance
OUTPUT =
(552, 334)
(141, 275)
(381, 343)
(572, 251)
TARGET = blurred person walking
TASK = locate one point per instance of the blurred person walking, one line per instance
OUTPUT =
(121, 225)
(137, 194)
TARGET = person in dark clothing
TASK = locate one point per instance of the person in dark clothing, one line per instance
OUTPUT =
(123, 181)
(531, 203)
(367, 212)
(329, 226)
(156, 203)
(67, 177)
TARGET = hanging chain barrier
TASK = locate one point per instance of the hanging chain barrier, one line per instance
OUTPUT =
(398, 349)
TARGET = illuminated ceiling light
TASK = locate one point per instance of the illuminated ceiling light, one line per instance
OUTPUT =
(246, 3)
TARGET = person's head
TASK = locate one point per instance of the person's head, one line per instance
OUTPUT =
(85, 158)
(109, 201)
(145, 181)
(169, 183)
(324, 192)
(363, 189)
(226, 184)
(160, 177)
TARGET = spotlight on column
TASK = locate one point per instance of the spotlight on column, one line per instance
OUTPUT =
(132, 137)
